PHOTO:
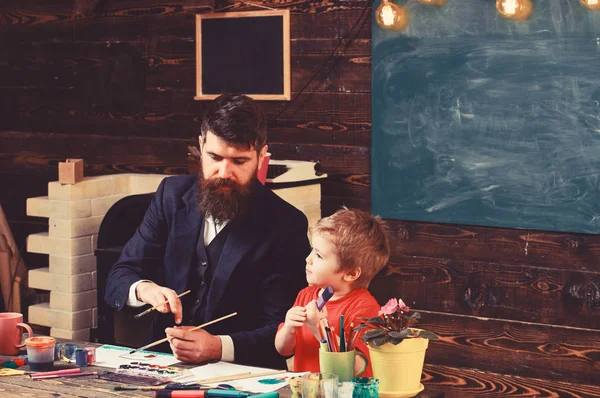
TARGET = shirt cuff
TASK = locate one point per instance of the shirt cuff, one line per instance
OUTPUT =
(132, 300)
(227, 349)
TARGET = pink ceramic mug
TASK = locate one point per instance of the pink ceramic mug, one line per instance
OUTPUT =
(11, 332)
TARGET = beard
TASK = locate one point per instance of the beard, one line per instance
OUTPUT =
(222, 198)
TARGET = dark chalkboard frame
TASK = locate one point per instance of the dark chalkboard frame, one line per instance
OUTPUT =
(258, 15)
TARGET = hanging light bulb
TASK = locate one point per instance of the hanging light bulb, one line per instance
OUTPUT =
(391, 16)
(517, 10)
(437, 3)
(591, 4)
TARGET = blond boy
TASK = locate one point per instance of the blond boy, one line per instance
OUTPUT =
(348, 249)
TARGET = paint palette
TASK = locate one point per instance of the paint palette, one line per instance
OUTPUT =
(127, 379)
(164, 374)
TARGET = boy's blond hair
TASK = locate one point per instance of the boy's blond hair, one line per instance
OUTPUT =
(360, 241)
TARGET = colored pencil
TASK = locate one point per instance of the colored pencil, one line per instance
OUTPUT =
(189, 330)
(149, 310)
(65, 375)
(353, 340)
(350, 336)
(321, 328)
(56, 372)
(334, 340)
(329, 338)
(342, 335)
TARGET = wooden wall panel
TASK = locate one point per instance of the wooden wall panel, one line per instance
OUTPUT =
(171, 65)
(36, 21)
(495, 290)
(554, 250)
(328, 118)
(30, 152)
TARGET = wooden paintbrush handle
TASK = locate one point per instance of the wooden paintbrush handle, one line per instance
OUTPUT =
(195, 328)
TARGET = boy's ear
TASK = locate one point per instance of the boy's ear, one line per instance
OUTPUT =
(352, 275)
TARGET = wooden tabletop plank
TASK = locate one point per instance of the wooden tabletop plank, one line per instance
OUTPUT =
(460, 382)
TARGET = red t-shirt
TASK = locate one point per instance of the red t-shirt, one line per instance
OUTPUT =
(357, 304)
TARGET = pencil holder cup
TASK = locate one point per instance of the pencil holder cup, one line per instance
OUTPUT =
(365, 387)
(341, 363)
(319, 385)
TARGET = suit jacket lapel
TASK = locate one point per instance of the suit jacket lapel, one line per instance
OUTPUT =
(186, 232)
(242, 236)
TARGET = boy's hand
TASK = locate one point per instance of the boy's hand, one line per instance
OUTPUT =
(313, 316)
(295, 318)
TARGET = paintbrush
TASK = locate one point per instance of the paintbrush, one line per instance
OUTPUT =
(192, 329)
(54, 376)
(149, 310)
(240, 376)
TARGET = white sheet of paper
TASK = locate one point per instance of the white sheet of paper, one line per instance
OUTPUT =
(254, 385)
(111, 356)
(218, 369)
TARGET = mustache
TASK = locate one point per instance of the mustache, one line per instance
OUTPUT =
(217, 182)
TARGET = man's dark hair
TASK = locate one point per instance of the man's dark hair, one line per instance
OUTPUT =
(237, 120)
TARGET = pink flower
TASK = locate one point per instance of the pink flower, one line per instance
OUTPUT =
(390, 308)
(403, 307)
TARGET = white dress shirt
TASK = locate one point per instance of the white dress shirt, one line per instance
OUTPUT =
(211, 229)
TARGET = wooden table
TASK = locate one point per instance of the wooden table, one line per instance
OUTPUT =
(439, 381)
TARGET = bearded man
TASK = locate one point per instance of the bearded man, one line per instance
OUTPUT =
(235, 244)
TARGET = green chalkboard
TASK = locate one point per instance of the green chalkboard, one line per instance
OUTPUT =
(484, 121)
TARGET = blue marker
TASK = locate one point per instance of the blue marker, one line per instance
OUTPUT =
(325, 296)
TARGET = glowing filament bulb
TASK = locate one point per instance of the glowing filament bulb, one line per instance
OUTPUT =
(391, 16)
(517, 10)
(387, 15)
(591, 4)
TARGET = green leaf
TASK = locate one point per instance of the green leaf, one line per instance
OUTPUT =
(428, 335)
(380, 341)
(362, 326)
(399, 335)
(416, 315)
(371, 334)
(396, 341)
(377, 321)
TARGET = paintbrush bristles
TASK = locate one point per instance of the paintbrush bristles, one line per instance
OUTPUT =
(190, 330)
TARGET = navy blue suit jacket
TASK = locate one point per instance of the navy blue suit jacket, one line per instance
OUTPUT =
(261, 269)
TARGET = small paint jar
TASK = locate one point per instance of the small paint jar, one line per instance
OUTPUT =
(365, 387)
(91, 355)
(58, 351)
(70, 349)
(40, 352)
(81, 357)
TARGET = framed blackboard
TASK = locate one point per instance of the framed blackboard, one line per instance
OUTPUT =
(243, 52)
(484, 121)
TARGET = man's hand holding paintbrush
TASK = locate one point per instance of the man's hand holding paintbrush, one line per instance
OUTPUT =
(164, 299)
